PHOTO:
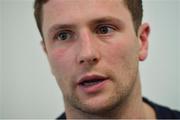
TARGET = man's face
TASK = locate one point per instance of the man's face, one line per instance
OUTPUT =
(93, 51)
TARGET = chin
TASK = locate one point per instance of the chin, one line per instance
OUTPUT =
(99, 106)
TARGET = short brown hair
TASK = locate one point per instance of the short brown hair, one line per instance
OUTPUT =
(135, 7)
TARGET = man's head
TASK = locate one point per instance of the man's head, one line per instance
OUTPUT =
(93, 51)
(135, 7)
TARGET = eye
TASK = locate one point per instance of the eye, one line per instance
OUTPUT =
(64, 35)
(105, 29)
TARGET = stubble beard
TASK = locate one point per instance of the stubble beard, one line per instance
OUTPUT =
(113, 102)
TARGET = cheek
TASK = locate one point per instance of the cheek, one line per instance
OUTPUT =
(61, 63)
(123, 51)
(116, 51)
(58, 59)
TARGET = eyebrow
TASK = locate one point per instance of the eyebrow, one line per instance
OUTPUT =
(106, 19)
(100, 20)
(60, 26)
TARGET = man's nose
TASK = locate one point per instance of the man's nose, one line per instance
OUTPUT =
(88, 50)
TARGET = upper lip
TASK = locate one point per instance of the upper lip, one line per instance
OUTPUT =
(91, 78)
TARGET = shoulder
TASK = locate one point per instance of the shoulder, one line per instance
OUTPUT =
(62, 116)
(163, 112)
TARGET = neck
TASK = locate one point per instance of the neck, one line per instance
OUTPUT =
(132, 107)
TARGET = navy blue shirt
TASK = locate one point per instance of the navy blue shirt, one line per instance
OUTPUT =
(162, 112)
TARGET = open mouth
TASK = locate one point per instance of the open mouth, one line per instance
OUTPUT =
(88, 81)
(93, 83)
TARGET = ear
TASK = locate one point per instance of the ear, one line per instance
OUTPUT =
(143, 34)
(43, 46)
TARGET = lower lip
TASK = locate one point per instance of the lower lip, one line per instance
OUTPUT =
(94, 88)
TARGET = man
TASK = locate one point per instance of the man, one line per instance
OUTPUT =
(94, 48)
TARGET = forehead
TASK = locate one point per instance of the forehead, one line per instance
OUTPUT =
(74, 11)
(73, 3)
(61, 6)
